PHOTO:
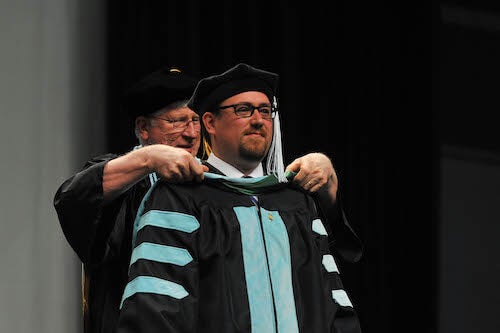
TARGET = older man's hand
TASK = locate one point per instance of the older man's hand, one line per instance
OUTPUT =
(174, 164)
(315, 173)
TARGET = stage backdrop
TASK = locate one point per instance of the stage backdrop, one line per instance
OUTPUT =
(355, 84)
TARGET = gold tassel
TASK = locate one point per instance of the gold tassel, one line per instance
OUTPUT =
(207, 150)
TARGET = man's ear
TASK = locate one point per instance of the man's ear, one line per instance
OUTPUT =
(209, 122)
(142, 126)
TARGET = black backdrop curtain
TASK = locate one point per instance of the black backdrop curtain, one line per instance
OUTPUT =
(354, 84)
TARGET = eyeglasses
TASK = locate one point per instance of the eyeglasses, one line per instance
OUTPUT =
(179, 125)
(245, 110)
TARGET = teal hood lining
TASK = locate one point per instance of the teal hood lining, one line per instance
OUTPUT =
(249, 186)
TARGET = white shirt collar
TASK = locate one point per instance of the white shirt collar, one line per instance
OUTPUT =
(230, 171)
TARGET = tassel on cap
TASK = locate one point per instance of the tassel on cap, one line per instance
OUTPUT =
(275, 163)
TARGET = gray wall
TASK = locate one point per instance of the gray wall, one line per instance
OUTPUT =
(52, 118)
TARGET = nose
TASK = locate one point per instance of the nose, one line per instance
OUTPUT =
(256, 118)
(190, 131)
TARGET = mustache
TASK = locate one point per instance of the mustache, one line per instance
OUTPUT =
(262, 132)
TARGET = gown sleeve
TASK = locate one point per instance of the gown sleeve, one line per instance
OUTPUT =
(85, 220)
(162, 290)
(342, 237)
(345, 318)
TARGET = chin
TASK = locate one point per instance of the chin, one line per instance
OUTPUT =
(254, 150)
(256, 155)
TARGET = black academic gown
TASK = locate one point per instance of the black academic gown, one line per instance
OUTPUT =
(208, 258)
(100, 234)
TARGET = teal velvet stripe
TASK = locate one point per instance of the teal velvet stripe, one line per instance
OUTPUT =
(329, 263)
(318, 227)
(341, 298)
(168, 220)
(256, 271)
(153, 285)
(161, 253)
(278, 251)
(139, 212)
(249, 186)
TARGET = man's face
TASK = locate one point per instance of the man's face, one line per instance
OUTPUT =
(170, 128)
(242, 142)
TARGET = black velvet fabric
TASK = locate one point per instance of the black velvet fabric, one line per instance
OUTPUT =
(355, 83)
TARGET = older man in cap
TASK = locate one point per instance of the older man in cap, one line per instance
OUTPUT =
(97, 206)
(246, 250)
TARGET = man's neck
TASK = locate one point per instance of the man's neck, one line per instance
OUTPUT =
(230, 170)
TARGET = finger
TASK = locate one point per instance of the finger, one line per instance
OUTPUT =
(307, 184)
(201, 176)
(186, 170)
(171, 175)
(317, 186)
(196, 170)
(301, 177)
(294, 166)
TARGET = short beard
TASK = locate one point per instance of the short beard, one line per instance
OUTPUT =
(253, 155)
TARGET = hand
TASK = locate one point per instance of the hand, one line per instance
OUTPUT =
(171, 163)
(174, 164)
(315, 173)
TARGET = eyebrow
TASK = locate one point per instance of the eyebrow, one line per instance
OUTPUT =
(250, 103)
(181, 117)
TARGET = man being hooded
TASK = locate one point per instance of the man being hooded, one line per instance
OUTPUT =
(245, 250)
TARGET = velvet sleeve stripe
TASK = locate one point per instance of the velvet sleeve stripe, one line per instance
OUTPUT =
(150, 284)
(161, 253)
(339, 295)
(329, 263)
(341, 298)
(169, 220)
(318, 227)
